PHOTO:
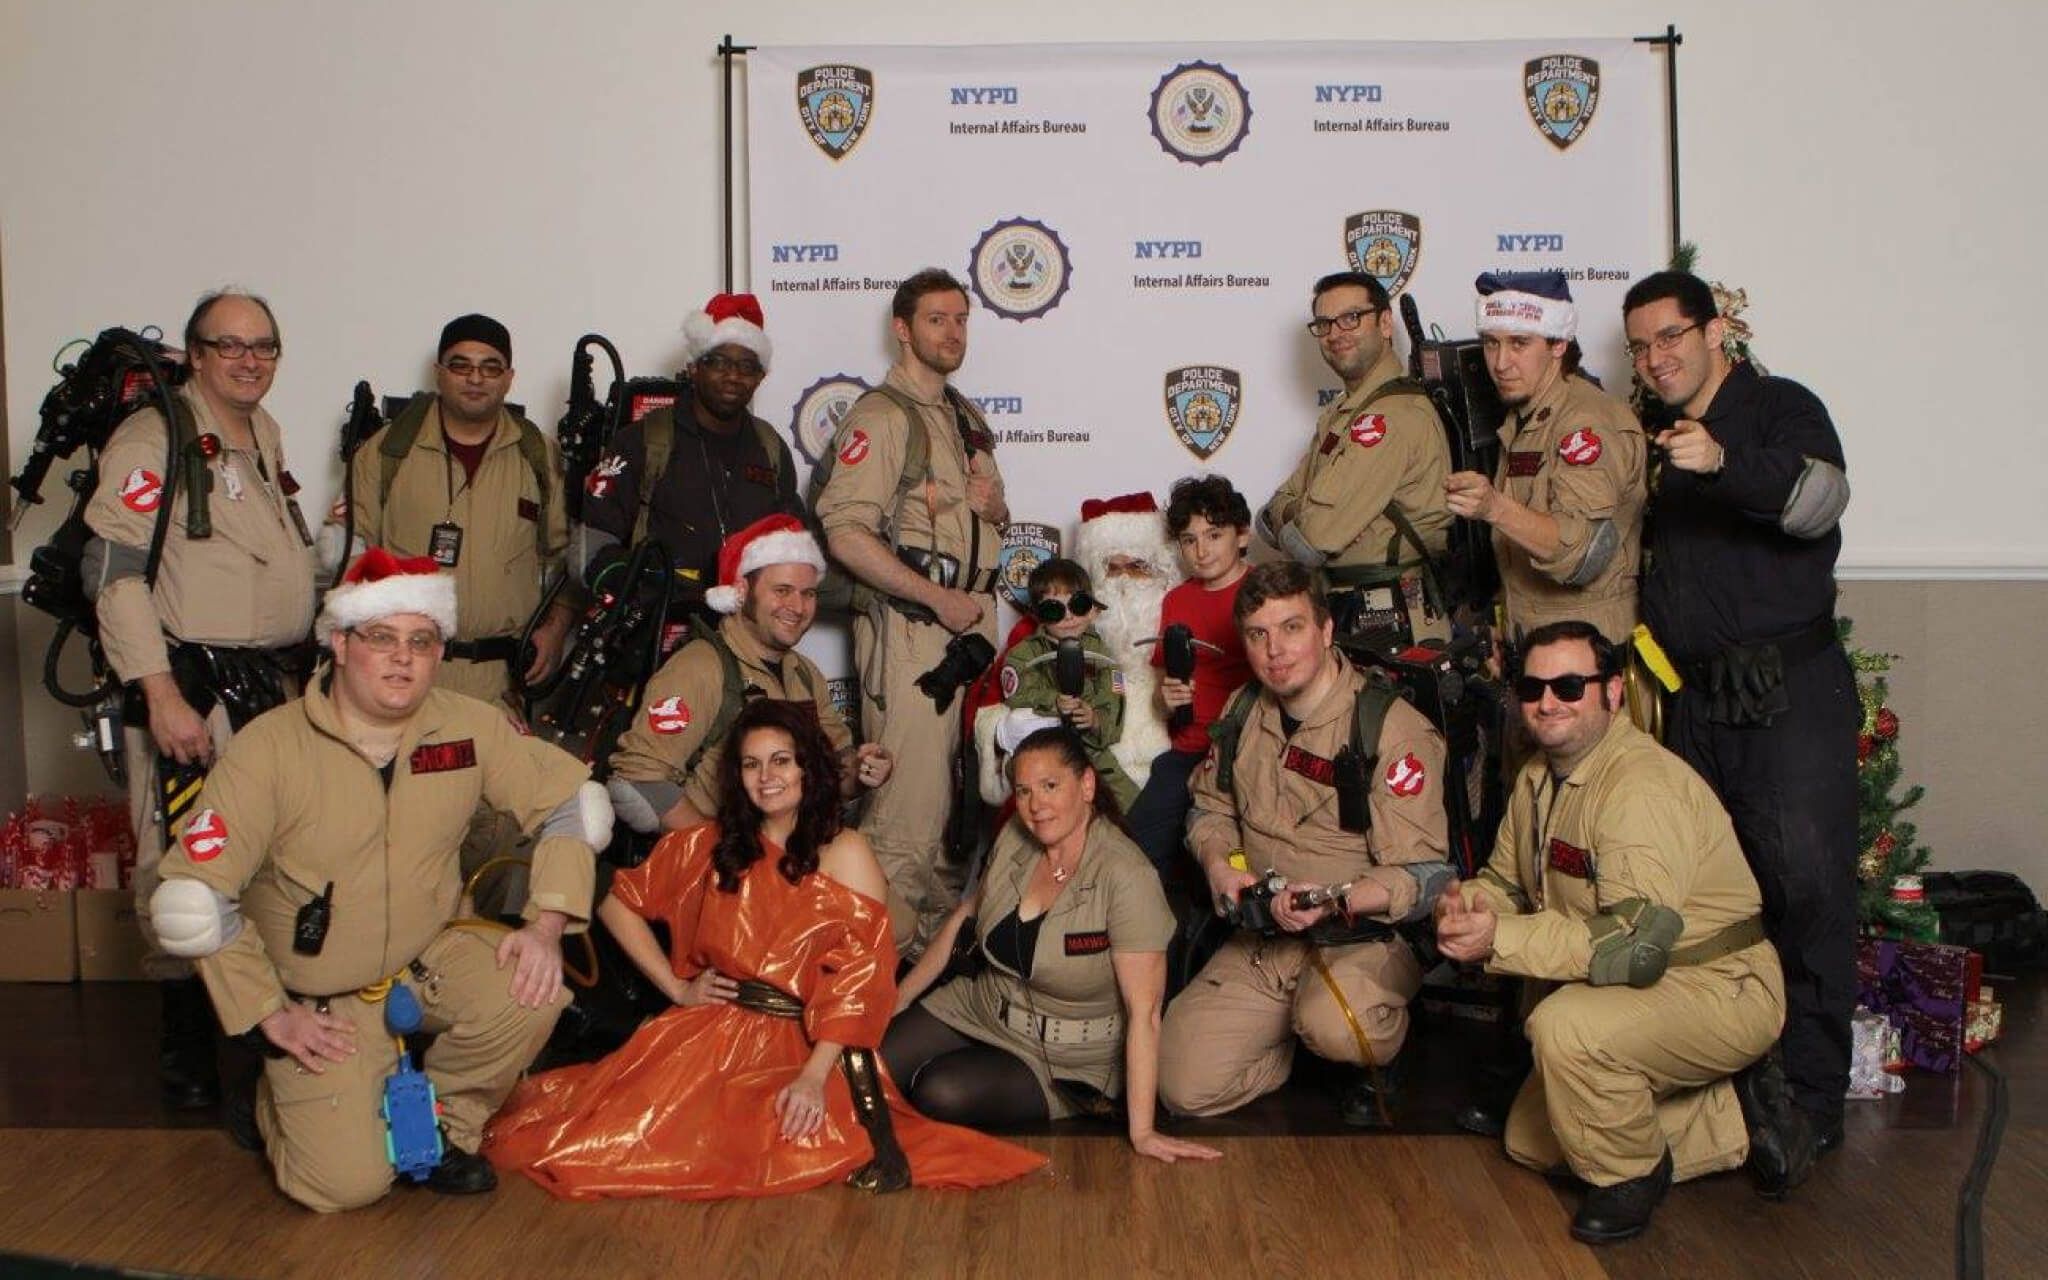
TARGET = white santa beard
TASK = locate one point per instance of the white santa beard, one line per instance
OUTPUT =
(1133, 615)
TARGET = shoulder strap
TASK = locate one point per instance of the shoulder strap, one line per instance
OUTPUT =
(399, 438)
(1227, 729)
(917, 445)
(533, 447)
(658, 438)
(1402, 386)
(771, 444)
(729, 688)
(192, 474)
(1368, 714)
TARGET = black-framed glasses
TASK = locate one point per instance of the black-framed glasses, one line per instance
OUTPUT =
(1346, 320)
(236, 348)
(1049, 611)
(1568, 688)
(488, 370)
(1663, 340)
(385, 640)
(740, 365)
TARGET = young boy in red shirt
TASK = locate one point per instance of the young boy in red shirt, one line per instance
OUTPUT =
(1211, 523)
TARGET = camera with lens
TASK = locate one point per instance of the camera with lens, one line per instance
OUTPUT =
(966, 657)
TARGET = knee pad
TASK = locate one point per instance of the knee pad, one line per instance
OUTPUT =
(192, 920)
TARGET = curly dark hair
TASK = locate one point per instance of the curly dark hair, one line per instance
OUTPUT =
(817, 816)
(1211, 497)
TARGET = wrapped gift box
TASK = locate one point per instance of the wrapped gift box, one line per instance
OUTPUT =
(1925, 989)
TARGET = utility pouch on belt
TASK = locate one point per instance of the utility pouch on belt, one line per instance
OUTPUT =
(1354, 790)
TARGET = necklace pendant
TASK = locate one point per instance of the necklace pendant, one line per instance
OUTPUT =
(1060, 874)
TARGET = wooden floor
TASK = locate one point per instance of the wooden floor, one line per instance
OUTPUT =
(124, 1191)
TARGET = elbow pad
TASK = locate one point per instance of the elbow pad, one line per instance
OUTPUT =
(1264, 523)
(1632, 943)
(585, 816)
(1430, 879)
(1601, 544)
(192, 920)
(1297, 548)
(104, 563)
(640, 804)
(1819, 496)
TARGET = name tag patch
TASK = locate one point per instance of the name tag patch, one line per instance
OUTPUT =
(444, 757)
(1310, 765)
(1091, 943)
(529, 510)
(1524, 462)
(759, 475)
(1570, 859)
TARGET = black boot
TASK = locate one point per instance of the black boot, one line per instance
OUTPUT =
(1827, 1135)
(890, 1169)
(1781, 1143)
(1372, 1098)
(461, 1173)
(186, 1063)
(1620, 1212)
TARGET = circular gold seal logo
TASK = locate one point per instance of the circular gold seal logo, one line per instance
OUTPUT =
(1200, 112)
(1020, 268)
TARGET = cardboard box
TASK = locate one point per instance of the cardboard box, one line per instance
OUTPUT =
(38, 936)
(110, 946)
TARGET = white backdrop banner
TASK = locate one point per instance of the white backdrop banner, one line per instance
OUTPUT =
(1140, 226)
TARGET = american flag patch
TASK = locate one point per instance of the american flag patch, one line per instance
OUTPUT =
(1116, 683)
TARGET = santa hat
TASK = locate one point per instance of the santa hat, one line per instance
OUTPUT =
(1534, 302)
(379, 585)
(729, 319)
(770, 540)
(1129, 525)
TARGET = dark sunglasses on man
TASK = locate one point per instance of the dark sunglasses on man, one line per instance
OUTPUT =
(1049, 611)
(1568, 688)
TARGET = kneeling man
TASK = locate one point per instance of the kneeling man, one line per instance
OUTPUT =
(318, 872)
(1617, 877)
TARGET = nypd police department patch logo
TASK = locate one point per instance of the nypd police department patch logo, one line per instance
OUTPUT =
(1385, 244)
(843, 692)
(1200, 112)
(1561, 91)
(1020, 268)
(1202, 402)
(1025, 547)
(835, 103)
(820, 409)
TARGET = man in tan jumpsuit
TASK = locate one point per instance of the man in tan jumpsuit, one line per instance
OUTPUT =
(1377, 462)
(1617, 877)
(244, 586)
(664, 772)
(1567, 504)
(929, 556)
(1336, 975)
(358, 794)
(465, 494)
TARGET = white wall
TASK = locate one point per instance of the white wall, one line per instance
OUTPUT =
(1870, 172)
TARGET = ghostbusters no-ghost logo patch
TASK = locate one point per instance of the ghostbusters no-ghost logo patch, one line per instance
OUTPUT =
(206, 836)
(855, 448)
(1406, 776)
(603, 474)
(1581, 448)
(142, 491)
(1368, 429)
(1009, 680)
(670, 715)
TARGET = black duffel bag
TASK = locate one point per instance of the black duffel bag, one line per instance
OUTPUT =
(1993, 912)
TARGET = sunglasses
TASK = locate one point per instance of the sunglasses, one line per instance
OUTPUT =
(1567, 688)
(1080, 604)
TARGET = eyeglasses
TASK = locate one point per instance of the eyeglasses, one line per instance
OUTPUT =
(1663, 341)
(1347, 321)
(236, 348)
(488, 370)
(1567, 688)
(1080, 604)
(385, 640)
(731, 364)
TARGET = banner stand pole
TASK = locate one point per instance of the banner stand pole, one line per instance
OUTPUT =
(727, 51)
(1670, 41)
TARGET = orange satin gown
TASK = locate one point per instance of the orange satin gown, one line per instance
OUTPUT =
(686, 1108)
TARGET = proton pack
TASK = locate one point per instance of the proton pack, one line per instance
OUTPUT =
(1454, 375)
(587, 426)
(120, 372)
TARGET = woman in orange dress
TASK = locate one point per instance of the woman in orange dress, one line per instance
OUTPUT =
(782, 969)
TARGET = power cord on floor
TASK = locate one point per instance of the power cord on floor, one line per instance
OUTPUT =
(1970, 1200)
